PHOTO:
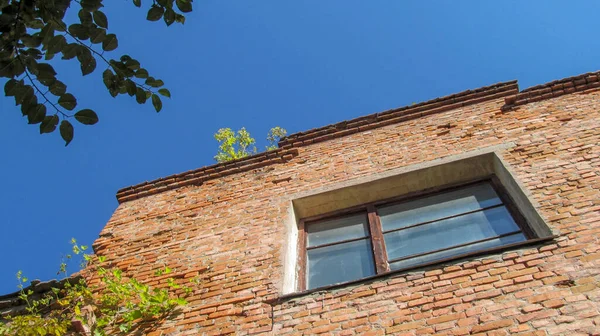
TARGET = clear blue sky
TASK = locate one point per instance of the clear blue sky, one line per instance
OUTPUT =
(258, 64)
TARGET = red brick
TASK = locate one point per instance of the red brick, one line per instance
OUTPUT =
(516, 274)
(445, 318)
(491, 326)
(324, 328)
(545, 296)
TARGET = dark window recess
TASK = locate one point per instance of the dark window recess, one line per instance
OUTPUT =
(383, 237)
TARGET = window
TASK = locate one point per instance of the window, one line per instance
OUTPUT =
(413, 231)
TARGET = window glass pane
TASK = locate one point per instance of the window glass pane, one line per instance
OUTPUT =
(518, 237)
(449, 232)
(338, 229)
(438, 206)
(339, 263)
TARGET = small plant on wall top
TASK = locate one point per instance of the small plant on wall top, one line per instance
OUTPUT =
(237, 145)
(115, 304)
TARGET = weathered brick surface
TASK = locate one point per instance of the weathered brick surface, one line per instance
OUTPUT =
(228, 231)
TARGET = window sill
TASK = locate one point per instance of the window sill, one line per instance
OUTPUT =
(412, 268)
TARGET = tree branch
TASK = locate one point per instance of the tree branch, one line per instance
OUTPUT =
(38, 89)
(142, 86)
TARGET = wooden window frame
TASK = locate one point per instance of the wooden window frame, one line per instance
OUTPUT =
(379, 251)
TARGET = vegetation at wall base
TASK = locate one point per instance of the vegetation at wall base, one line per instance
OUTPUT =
(115, 304)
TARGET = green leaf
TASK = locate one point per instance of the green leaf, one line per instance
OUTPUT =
(122, 87)
(45, 70)
(142, 73)
(70, 50)
(86, 117)
(58, 88)
(170, 16)
(56, 44)
(184, 5)
(110, 42)
(108, 78)
(80, 31)
(48, 125)
(165, 92)
(132, 64)
(137, 3)
(84, 54)
(17, 69)
(136, 314)
(154, 82)
(10, 87)
(101, 19)
(67, 101)
(35, 24)
(47, 33)
(156, 102)
(66, 131)
(29, 102)
(88, 65)
(23, 93)
(97, 35)
(49, 56)
(85, 17)
(131, 87)
(155, 13)
(140, 96)
(36, 114)
(31, 41)
(31, 65)
(59, 24)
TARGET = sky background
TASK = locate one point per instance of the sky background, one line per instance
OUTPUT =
(259, 64)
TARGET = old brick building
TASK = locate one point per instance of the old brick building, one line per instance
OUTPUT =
(473, 213)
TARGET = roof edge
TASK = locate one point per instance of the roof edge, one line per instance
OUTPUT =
(583, 82)
(198, 176)
(11, 300)
(400, 114)
(507, 90)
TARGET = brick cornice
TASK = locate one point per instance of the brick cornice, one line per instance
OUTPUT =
(198, 176)
(553, 89)
(401, 114)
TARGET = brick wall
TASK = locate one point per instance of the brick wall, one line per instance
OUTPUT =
(225, 224)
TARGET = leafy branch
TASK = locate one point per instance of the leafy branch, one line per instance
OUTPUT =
(101, 55)
(34, 30)
(28, 75)
(116, 305)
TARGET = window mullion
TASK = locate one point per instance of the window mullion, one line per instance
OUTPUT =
(377, 241)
